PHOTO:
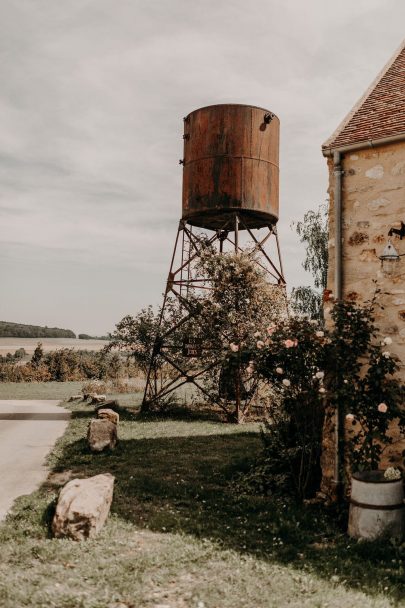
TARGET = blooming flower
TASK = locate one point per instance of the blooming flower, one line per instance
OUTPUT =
(290, 343)
(260, 344)
(320, 375)
(279, 370)
(271, 329)
(313, 322)
(387, 341)
(386, 354)
(382, 407)
(234, 347)
(392, 474)
(257, 334)
(286, 382)
(322, 390)
(349, 417)
(320, 334)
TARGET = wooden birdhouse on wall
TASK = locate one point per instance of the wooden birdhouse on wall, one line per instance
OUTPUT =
(366, 162)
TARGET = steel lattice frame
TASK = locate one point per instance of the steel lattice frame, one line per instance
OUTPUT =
(181, 283)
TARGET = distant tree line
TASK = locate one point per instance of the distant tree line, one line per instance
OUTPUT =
(66, 364)
(21, 330)
(87, 337)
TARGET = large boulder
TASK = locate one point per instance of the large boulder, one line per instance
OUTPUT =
(96, 399)
(108, 414)
(101, 435)
(83, 507)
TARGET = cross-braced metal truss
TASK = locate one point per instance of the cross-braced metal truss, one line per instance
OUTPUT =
(185, 291)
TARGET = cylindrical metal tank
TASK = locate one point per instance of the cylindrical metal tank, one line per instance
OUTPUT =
(231, 165)
(376, 506)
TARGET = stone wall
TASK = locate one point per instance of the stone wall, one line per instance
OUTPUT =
(373, 201)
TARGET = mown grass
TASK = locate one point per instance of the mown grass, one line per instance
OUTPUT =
(179, 536)
(39, 390)
(58, 390)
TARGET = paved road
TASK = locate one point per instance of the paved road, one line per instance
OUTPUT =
(28, 431)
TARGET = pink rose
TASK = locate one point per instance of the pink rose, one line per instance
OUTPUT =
(382, 407)
(260, 344)
(290, 343)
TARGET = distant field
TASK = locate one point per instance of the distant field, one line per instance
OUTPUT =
(10, 345)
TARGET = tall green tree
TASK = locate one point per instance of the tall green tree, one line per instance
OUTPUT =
(313, 232)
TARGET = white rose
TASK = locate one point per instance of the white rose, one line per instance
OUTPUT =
(387, 341)
(320, 334)
(386, 354)
(279, 370)
(286, 382)
(320, 375)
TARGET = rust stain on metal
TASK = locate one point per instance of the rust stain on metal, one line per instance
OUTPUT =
(231, 165)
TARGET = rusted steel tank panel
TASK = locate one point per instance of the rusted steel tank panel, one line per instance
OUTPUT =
(231, 165)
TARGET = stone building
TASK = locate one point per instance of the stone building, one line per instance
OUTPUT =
(366, 162)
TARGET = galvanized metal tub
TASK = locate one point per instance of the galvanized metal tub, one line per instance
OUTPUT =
(231, 165)
(376, 506)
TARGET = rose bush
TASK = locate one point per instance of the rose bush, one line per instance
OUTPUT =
(313, 372)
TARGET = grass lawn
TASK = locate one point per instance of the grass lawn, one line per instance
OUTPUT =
(57, 390)
(179, 537)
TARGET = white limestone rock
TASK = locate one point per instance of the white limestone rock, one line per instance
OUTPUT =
(83, 507)
(98, 399)
(101, 435)
(378, 203)
(108, 414)
(376, 172)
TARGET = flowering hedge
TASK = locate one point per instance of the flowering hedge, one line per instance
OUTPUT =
(311, 371)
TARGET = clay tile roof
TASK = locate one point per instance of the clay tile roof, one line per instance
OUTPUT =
(380, 112)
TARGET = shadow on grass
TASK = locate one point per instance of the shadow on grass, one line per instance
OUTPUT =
(183, 413)
(183, 484)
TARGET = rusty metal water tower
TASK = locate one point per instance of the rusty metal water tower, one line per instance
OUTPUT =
(230, 188)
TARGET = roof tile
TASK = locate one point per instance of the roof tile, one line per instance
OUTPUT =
(380, 112)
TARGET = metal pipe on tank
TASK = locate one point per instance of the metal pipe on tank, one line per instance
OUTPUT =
(339, 420)
(338, 224)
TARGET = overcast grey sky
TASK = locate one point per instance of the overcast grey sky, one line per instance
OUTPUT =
(92, 97)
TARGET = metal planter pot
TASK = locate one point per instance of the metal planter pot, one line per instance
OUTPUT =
(376, 507)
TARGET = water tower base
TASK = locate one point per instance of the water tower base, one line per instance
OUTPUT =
(182, 283)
